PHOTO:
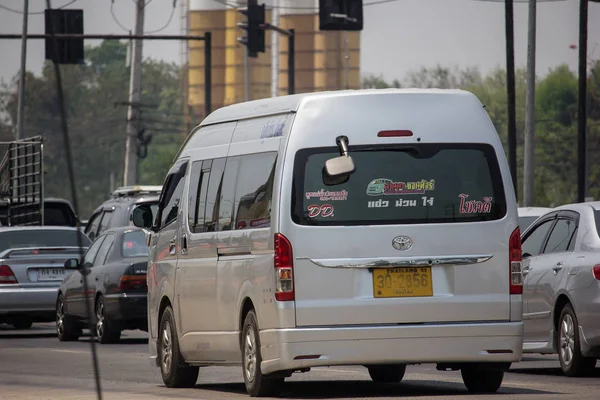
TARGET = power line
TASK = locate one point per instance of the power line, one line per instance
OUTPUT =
(114, 17)
(168, 21)
(34, 13)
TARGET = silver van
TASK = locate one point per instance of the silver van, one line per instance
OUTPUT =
(370, 227)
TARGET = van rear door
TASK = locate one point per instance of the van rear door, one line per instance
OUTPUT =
(417, 234)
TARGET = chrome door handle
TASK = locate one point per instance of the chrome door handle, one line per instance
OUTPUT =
(172, 245)
(557, 267)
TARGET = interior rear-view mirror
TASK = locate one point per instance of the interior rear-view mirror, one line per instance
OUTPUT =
(72, 263)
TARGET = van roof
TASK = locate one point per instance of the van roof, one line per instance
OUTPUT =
(291, 103)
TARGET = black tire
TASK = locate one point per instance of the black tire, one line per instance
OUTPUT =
(106, 332)
(66, 330)
(22, 323)
(572, 362)
(175, 372)
(257, 384)
(478, 380)
(387, 373)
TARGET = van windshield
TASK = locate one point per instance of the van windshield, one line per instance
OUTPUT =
(420, 183)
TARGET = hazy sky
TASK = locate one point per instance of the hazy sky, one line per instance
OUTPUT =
(398, 36)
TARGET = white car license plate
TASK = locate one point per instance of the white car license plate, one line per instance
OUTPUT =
(51, 274)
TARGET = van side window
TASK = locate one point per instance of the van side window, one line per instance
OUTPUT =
(211, 215)
(254, 190)
(172, 197)
(226, 210)
(193, 194)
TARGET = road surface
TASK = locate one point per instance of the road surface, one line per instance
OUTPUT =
(34, 365)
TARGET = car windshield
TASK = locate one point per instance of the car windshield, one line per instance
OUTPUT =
(420, 183)
(27, 238)
(525, 222)
(134, 244)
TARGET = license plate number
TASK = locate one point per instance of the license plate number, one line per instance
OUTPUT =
(51, 274)
(402, 282)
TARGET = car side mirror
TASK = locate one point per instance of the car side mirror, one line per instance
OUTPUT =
(526, 255)
(142, 217)
(72, 263)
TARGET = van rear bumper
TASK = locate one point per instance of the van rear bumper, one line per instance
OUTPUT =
(292, 349)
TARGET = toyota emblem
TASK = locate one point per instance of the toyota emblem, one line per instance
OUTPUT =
(402, 243)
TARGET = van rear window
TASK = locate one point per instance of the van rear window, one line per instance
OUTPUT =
(416, 184)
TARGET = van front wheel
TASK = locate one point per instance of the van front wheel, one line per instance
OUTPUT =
(387, 373)
(175, 373)
(257, 384)
(481, 380)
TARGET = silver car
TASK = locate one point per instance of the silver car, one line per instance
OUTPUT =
(31, 270)
(561, 294)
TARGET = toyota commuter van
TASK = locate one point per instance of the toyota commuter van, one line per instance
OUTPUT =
(365, 227)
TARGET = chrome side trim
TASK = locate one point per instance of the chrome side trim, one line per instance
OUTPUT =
(399, 262)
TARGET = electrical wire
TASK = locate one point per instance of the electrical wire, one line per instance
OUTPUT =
(114, 17)
(168, 21)
(67, 145)
(34, 13)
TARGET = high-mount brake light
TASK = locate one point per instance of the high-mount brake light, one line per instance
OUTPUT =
(515, 262)
(396, 133)
(284, 269)
(7, 276)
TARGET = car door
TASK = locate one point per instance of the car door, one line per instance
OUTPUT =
(98, 271)
(164, 242)
(75, 290)
(544, 276)
(533, 243)
(555, 260)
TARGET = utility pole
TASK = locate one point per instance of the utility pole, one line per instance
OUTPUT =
(582, 106)
(529, 165)
(510, 88)
(21, 105)
(135, 86)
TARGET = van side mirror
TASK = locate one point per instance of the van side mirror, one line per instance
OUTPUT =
(72, 263)
(526, 255)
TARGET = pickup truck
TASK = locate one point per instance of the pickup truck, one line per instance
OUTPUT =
(32, 268)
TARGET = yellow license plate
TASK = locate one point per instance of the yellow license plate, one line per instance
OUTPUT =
(402, 282)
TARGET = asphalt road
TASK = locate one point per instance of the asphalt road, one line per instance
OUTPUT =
(34, 365)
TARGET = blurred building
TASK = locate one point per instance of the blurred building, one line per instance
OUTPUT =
(324, 60)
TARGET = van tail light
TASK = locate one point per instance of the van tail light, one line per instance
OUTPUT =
(595, 271)
(515, 262)
(7, 276)
(284, 269)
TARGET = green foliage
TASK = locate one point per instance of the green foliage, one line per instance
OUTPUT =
(97, 124)
(556, 121)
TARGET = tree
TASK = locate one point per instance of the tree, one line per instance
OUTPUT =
(97, 124)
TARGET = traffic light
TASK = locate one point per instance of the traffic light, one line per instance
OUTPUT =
(255, 19)
(69, 51)
(340, 15)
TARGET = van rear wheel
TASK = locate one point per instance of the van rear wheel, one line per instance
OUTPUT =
(257, 384)
(387, 373)
(479, 380)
